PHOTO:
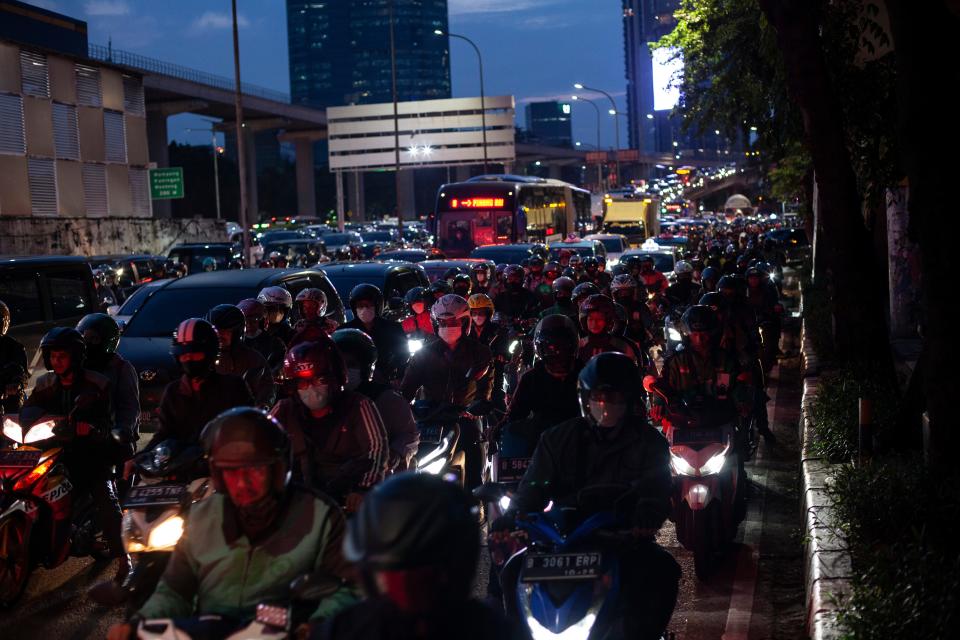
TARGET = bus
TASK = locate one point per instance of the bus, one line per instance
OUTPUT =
(506, 209)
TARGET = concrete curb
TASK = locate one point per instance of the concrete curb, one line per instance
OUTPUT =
(827, 569)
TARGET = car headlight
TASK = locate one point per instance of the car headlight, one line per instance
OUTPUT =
(714, 464)
(166, 535)
(681, 466)
(673, 334)
(435, 467)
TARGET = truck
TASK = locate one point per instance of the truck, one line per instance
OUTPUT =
(638, 218)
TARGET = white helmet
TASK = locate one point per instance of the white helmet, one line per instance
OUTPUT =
(276, 296)
(621, 282)
(450, 306)
(682, 268)
(313, 294)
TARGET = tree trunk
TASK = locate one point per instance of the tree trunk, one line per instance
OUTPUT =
(925, 48)
(860, 321)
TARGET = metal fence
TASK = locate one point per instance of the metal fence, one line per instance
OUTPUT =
(143, 63)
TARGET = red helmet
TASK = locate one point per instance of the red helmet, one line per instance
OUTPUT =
(317, 360)
(600, 303)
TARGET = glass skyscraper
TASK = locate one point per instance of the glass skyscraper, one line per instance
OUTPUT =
(340, 51)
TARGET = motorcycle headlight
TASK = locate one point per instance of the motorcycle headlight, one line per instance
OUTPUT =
(673, 334)
(681, 466)
(435, 467)
(513, 346)
(414, 345)
(12, 430)
(714, 464)
(504, 503)
(39, 431)
(166, 535)
(579, 630)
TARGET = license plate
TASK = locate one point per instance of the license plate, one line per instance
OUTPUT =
(511, 469)
(431, 433)
(155, 495)
(19, 459)
(684, 436)
(539, 567)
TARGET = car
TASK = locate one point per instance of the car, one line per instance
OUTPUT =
(614, 243)
(296, 248)
(412, 255)
(267, 237)
(436, 268)
(132, 270)
(504, 253)
(793, 242)
(146, 337)
(385, 237)
(393, 279)
(583, 248)
(45, 292)
(336, 240)
(123, 312)
(193, 254)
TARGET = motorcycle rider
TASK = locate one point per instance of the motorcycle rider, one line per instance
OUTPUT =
(69, 389)
(237, 359)
(581, 292)
(535, 277)
(708, 280)
(480, 272)
(13, 370)
(415, 542)
(366, 301)
(311, 307)
(419, 301)
(255, 333)
(594, 274)
(484, 329)
(764, 300)
(360, 357)
(462, 285)
(639, 324)
(653, 281)
(597, 319)
(200, 394)
(439, 373)
(258, 532)
(563, 288)
(611, 443)
(340, 445)
(684, 292)
(278, 303)
(515, 302)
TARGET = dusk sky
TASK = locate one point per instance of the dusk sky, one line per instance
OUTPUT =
(532, 48)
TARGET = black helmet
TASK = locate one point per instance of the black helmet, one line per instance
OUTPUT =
(418, 294)
(632, 263)
(451, 273)
(563, 288)
(710, 273)
(513, 273)
(699, 318)
(357, 346)
(590, 263)
(63, 339)
(101, 334)
(599, 303)
(536, 261)
(714, 300)
(540, 250)
(244, 437)
(607, 388)
(555, 342)
(196, 335)
(318, 360)
(440, 288)
(227, 317)
(583, 291)
(728, 283)
(413, 521)
(462, 283)
(369, 293)
(4, 318)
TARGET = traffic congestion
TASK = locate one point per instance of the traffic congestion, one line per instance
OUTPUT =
(336, 436)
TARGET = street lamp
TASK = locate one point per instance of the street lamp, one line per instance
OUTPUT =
(616, 123)
(599, 164)
(483, 105)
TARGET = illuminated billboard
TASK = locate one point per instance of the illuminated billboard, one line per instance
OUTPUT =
(667, 71)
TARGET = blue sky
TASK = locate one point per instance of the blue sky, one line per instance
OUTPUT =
(532, 48)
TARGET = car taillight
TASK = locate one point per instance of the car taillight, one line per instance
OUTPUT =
(31, 478)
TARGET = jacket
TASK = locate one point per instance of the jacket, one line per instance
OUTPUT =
(397, 420)
(13, 372)
(391, 343)
(591, 345)
(688, 376)
(215, 569)
(247, 363)
(184, 413)
(545, 398)
(440, 374)
(89, 395)
(270, 347)
(125, 394)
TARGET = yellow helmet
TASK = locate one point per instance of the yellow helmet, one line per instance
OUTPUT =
(480, 301)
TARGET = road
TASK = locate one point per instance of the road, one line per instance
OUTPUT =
(756, 592)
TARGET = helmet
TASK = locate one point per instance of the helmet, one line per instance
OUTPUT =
(555, 342)
(226, 317)
(208, 264)
(632, 263)
(101, 334)
(417, 294)
(316, 295)
(414, 521)
(730, 250)
(754, 272)
(699, 318)
(440, 288)
(63, 339)
(246, 437)
(481, 267)
(607, 388)
(590, 263)
(317, 360)
(513, 273)
(683, 268)
(575, 260)
(366, 293)
(480, 301)
(357, 346)
(254, 313)
(195, 335)
(711, 274)
(623, 282)
(4, 318)
(462, 283)
(499, 270)
(563, 288)
(540, 250)
(728, 283)
(647, 259)
(583, 291)
(276, 297)
(713, 300)
(536, 263)
(450, 306)
(552, 269)
(598, 303)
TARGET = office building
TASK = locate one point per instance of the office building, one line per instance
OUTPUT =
(549, 123)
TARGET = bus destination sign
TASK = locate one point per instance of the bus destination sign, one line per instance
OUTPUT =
(476, 203)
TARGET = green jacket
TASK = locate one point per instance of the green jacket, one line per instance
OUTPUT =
(215, 570)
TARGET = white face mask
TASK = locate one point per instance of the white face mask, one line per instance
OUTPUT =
(607, 414)
(365, 314)
(315, 397)
(450, 335)
(354, 379)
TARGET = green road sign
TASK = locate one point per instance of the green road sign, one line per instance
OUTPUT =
(166, 183)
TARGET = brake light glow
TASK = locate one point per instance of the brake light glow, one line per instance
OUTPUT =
(38, 472)
(477, 203)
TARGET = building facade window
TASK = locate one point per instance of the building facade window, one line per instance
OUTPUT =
(11, 124)
(115, 144)
(34, 79)
(139, 192)
(133, 102)
(42, 173)
(95, 189)
(88, 86)
(66, 137)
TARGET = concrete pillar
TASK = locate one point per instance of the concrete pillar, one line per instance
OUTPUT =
(407, 198)
(903, 264)
(463, 172)
(356, 203)
(306, 191)
(158, 151)
(250, 150)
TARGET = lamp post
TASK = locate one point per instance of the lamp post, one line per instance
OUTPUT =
(616, 123)
(396, 120)
(216, 170)
(241, 151)
(599, 165)
(483, 106)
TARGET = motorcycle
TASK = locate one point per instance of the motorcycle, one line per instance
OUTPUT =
(519, 350)
(569, 579)
(439, 428)
(276, 620)
(42, 519)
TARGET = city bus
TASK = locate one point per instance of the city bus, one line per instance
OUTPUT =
(505, 209)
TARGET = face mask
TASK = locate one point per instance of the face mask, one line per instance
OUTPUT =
(449, 334)
(315, 397)
(607, 414)
(195, 368)
(365, 314)
(354, 379)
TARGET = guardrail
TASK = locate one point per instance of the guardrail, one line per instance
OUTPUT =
(153, 65)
